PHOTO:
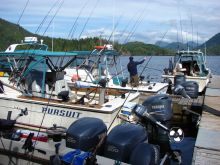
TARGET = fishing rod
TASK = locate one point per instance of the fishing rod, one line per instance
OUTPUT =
(152, 54)
(40, 27)
(104, 46)
(180, 23)
(73, 28)
(44, 115)
(45, 17)
(116, 25)
(94, 152)
(59, 7)
(126, 27)
(134, 26)
(192, 31)
(88, 18)
(23, 11)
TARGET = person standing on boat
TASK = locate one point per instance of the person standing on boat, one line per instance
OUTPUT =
(132, 69)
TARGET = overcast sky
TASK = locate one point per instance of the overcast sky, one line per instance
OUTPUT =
(139, 20)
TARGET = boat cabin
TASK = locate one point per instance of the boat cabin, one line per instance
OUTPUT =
(190, 63)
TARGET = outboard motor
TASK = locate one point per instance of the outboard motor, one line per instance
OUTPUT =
(85, 133)
(179, 79)
(6, 125)
(145, 154)
(158, 110)
(191, 88)
(159, 106)
(122, 140)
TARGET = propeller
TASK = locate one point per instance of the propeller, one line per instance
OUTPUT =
(176, 134)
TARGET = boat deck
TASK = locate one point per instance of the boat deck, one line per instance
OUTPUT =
(207, 147)
(111, 105)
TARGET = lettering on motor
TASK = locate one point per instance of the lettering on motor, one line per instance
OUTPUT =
(59, 112)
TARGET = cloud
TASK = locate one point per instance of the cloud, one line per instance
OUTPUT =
(153, 18)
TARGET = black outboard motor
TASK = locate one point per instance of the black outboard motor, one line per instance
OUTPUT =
(122, 140)
(85, 133)
(158, 110)
(6, 125)
(179, 79)
(159, 106)
(145, 154)
(191, 88)
(188, 89)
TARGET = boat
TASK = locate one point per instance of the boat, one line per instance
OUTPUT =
(33, 86)
(43, 125)
(88, 140)
(189, 65)
(97, 66)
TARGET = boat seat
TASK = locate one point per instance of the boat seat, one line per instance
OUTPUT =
(61, 85)
(35, 89)
(180, 68)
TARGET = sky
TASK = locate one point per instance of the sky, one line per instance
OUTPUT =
(119, 20)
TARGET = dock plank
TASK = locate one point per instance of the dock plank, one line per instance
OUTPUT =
(207, 147)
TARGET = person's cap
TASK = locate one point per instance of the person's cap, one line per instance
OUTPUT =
(131, 58)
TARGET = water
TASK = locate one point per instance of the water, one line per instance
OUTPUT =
(155, 67)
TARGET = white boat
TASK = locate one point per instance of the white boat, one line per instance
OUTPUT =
(33, 82)
(97, 66)
(87, 141)
(192, 64)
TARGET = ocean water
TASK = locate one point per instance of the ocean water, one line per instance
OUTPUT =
(154, 68)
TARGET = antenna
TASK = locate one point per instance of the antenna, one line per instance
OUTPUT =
(192, 31)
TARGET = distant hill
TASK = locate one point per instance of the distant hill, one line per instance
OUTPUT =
(140, 48)
(213, 45)
(214, 41)
(12, 33)
(177, 45)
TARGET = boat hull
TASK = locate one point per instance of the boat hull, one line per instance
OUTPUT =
(46, 113)
(13, 152)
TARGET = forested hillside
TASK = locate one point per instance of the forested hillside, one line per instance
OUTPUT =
(11, 33)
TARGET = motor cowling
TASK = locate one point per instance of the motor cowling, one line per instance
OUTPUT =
(122, 139)
(179, 79)
(85, 133)
(145, 154)
(157, 109)
(6, 124)
(191, 88)
(159, 106)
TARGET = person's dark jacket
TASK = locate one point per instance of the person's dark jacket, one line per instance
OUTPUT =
(132, 67)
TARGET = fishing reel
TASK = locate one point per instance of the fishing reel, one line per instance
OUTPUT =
(56, 132)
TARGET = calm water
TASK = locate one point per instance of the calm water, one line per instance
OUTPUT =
(156, 65)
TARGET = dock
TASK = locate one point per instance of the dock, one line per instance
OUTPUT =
(207, 146)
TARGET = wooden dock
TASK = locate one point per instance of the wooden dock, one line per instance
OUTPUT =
(207, 147)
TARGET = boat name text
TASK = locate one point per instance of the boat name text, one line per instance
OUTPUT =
(59, 112)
